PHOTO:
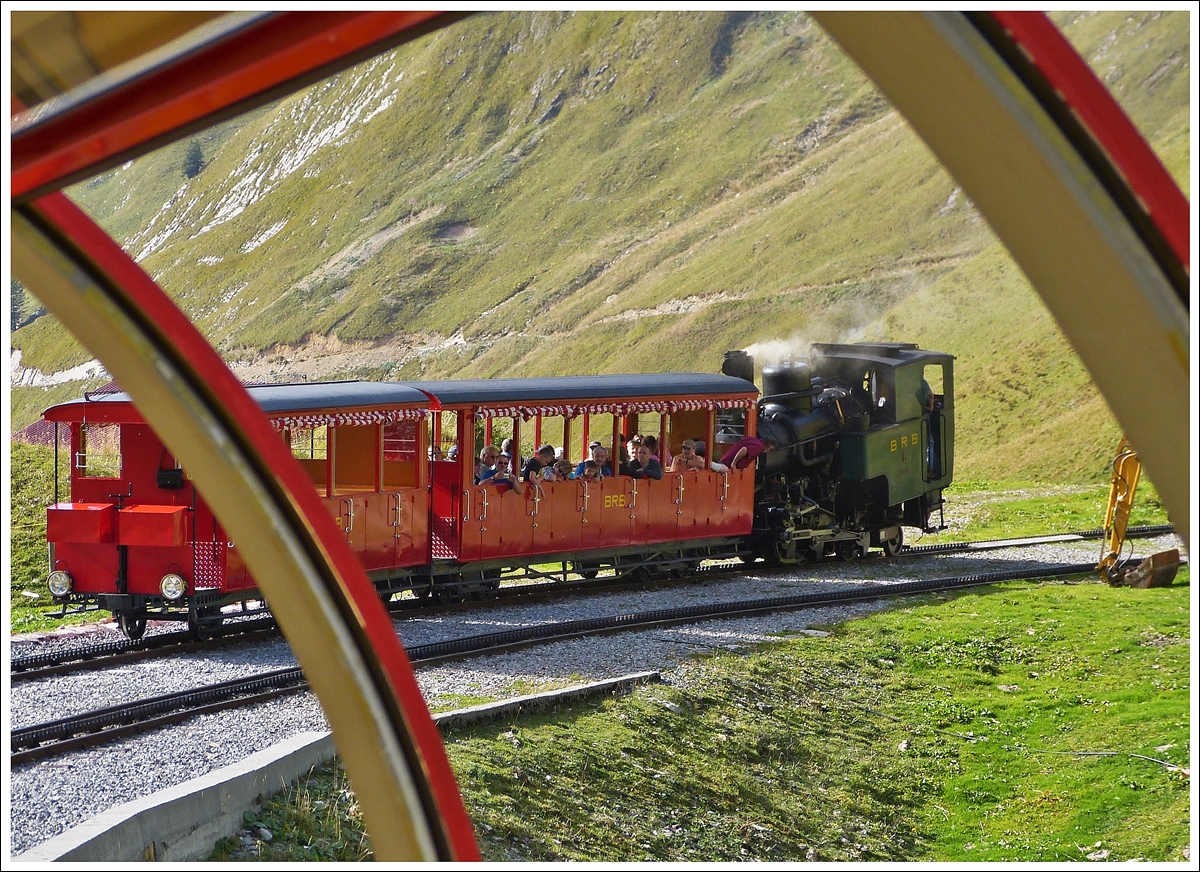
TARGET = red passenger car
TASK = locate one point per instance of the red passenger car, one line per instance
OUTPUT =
(621, 522)
(136, 538)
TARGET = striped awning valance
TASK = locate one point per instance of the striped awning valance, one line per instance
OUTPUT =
(635, 407)
(296, 421)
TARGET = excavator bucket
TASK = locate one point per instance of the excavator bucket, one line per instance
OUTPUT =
(1157, 570)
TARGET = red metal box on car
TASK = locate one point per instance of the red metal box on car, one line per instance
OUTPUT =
(85, 523)
(153, 525)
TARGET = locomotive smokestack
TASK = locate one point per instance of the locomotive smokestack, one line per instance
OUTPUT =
(738, 364)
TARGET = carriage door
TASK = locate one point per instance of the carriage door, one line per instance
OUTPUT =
(407, 502)
(364, 513)
(446, 479)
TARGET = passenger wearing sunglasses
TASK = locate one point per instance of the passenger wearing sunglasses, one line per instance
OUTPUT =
(502, 476)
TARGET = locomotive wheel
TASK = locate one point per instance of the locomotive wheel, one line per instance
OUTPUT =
(891, 547)
(847, 551)
(787, 552)
(132, 625)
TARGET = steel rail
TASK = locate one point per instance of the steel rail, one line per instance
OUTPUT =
(100, 656)
(97, 727)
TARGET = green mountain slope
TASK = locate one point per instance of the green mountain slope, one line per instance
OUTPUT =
(614, 192)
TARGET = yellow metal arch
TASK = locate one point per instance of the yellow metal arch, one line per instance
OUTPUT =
(1056, 219)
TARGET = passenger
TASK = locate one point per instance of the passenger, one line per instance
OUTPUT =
(598, 454)
(533, 466)
(687, 458)
(487, 459)
(632, 445)
(435, 452)
(623, 465)
(563, 470)
(743, 452)
(501, 475)
(509, 447)
(453, 455)
(645, 465)
(591, 471)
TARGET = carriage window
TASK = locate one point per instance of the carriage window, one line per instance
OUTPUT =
(309, 443)
(355, 458)
(400, 441)
(552, 431)
(99, 451)
(400, 447)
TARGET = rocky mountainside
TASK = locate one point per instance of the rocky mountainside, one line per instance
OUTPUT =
(538, 193)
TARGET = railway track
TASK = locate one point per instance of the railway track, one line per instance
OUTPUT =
(116, 652)
(97, 727)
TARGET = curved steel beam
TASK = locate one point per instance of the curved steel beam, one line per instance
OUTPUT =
(1097, 274)
(221, 69)
(328, 609)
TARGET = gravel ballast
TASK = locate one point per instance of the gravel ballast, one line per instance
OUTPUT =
(49, 797)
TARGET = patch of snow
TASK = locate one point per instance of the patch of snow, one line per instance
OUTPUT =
(210, 260)
(263, 237)
(328, 115)
(233, 292)
(22, 376)
(945, 210)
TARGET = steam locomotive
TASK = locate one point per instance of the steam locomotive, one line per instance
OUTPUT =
(863, 437)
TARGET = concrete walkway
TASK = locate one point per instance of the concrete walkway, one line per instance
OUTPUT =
(185, 822)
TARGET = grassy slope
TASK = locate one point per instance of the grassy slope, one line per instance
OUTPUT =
(733, 166)
(946, 729)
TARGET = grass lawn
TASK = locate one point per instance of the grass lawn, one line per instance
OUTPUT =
(998, 724)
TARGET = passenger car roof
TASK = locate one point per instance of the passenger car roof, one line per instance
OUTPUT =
(301, 397)
(312, 396)
(583, 387)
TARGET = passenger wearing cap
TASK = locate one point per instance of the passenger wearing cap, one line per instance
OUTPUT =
(600, 455)
(687, 459)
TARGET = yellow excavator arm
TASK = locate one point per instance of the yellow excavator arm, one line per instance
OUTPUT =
(1126, 469)
(1156, 571)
